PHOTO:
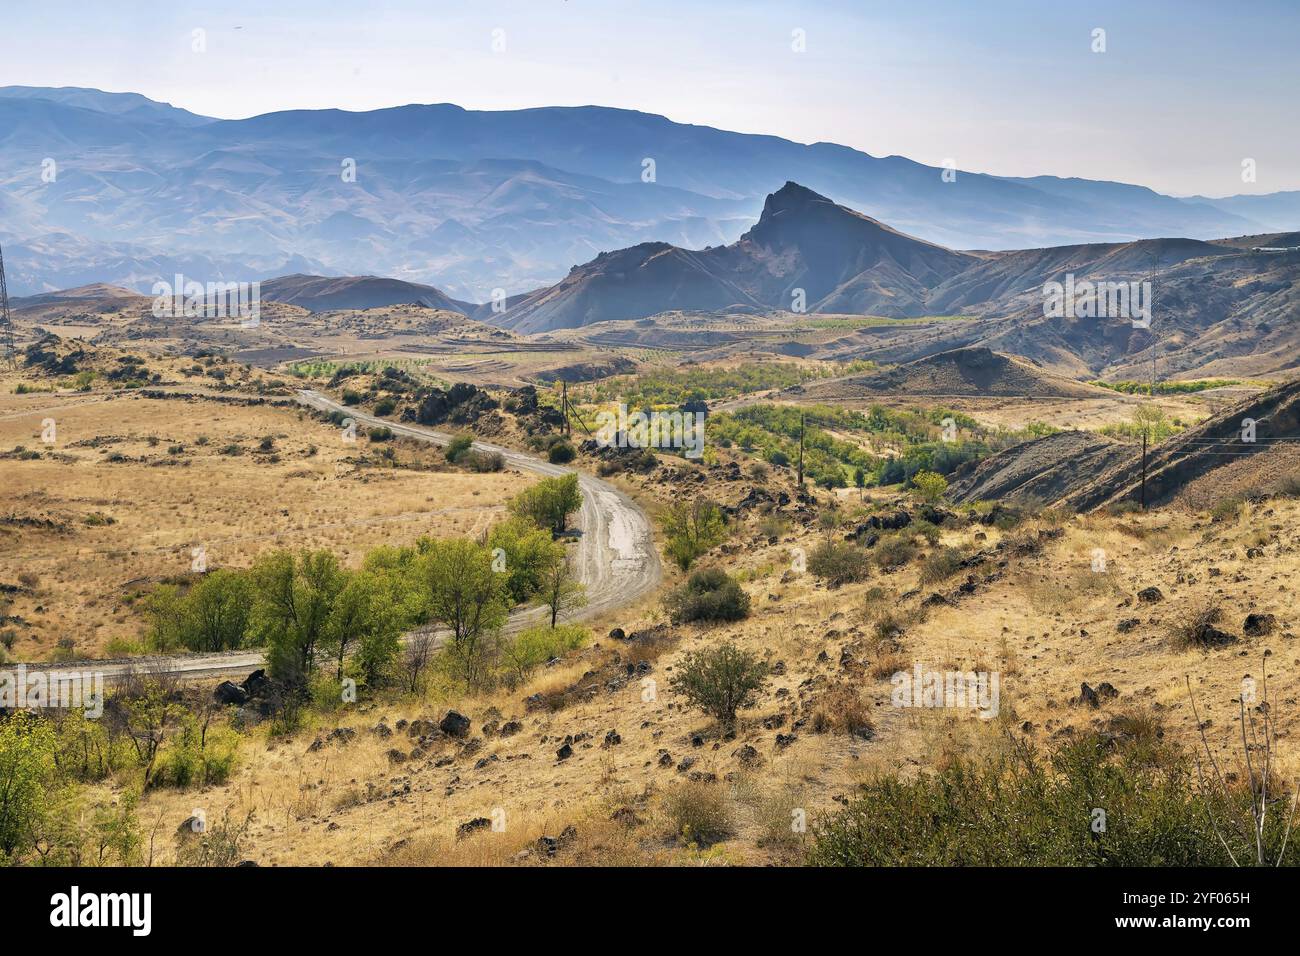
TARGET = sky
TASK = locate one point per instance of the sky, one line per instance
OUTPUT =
(1183, 93)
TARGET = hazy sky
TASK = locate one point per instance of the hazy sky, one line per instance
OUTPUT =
(1185, 90)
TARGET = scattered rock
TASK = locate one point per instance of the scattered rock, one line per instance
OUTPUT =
(228, 692)
(1258, 625)
(470, 827)
(454, 724)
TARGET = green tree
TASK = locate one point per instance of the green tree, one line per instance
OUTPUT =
(458, 446)
(215, 614)
(464, 595)
(367, 612)
(719, 680)
(165, 609)
(527, 554)
(929, 485)
(293, 599)
(692, 529)
(549, 503)
(26, 774)
(560, 590)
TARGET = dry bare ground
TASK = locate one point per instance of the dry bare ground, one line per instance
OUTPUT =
(1046, 623)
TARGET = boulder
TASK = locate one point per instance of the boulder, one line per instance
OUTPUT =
(1258, 625)
(228, 692)
(470, 827)
(454, 724)
(257, 684)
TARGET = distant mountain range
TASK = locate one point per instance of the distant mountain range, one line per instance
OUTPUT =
(483, 203)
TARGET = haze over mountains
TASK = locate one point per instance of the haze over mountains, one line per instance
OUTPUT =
(471, 202)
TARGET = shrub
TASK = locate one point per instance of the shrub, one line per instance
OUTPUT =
(940, 565)
(220, 844)
(708, 595)
(719, 680)
(561, 453)
(484, 461)
(700, 813)
(1196, 629)
(929, 485)
(534, 647)
(384, 407)
(382, 433)
(458, 446)
(838, 563)
(894, 551)
(920, 528)
(1228, 509)
(842, 710)
(693, 528)
(197, 756)
(1023, 808)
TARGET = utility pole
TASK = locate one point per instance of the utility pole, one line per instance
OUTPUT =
(6, 322)
(801, 424)
(1144, 467)
(564, 404)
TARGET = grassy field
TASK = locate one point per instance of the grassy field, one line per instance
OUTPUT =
(131, 486)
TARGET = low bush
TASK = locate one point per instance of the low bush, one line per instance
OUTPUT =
(719, 680)
(893, 551)
(708, 595)
(838, 563)
(561, 453)
(700, 813)
(532, 648)
(458, 446)
(1019, 807)
(941, 564)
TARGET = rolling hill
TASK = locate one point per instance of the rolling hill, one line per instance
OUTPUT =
(959, 372)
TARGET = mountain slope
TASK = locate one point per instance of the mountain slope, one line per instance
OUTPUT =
(959, 372)
(473, 201)
(803, 245)
(327, 293)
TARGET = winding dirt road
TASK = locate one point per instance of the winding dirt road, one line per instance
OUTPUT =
(615, 560)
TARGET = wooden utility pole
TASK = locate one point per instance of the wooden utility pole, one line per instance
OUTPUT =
(801, 424)
(1144, 467)
(564, 405)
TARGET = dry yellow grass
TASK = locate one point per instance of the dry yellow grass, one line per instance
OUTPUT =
(132, 485)
(1046, 622)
